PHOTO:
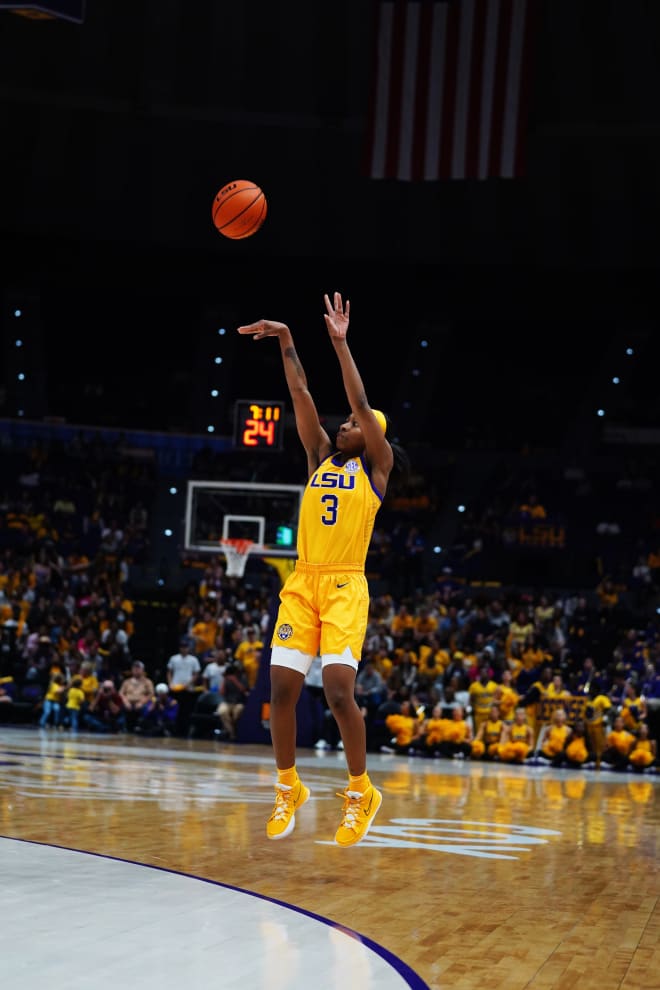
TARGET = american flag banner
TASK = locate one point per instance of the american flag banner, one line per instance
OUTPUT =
(450, 89)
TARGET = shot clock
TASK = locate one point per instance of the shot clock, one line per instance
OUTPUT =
(258, 424)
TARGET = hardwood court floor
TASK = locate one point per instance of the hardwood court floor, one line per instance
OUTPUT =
(472, 876)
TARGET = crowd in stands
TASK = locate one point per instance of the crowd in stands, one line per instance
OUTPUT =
(450, 669)
(516, 678)
(575, 524)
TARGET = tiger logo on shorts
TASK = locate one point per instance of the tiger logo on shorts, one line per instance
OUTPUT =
(284, 631)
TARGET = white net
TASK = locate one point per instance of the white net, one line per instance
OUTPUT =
(236, 554)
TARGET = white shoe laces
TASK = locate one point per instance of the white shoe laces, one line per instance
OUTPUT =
(283, 799)
(351, 807)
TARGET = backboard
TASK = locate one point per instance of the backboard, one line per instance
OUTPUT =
(264, 513)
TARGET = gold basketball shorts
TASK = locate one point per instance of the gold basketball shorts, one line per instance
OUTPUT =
(323, 613)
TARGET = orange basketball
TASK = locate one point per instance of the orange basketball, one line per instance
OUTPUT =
(239, 209)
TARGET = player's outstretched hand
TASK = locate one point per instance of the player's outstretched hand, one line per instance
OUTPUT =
(337, 316)
(264, 328)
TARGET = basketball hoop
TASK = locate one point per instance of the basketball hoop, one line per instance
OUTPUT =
(236, 554)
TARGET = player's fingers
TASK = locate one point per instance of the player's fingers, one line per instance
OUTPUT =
(251, 327)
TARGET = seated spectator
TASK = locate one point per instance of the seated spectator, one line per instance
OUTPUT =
(106, 712)
(434, 731)
(457, 743)
(619, 745)
(425, 623)
(454, 693)
(403, 621)
(520, 627)
(432, 664)
(517, 739)
(135, 690)
(577, 747)
(534, 654)
(633, 708)
(159, 714)
(644, 753)
(553, 738)
(486, 743)
(406, 727)
(234, 693)
(370, 688)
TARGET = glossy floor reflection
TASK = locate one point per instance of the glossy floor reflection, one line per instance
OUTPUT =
(146, 862)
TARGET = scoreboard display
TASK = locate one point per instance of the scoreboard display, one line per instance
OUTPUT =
(258, 424)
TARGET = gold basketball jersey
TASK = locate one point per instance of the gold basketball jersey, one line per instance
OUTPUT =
(337, 515)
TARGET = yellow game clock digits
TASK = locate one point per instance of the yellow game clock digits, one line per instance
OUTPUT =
(258, 424)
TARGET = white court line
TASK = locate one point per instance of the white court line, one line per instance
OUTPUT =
(74, 921)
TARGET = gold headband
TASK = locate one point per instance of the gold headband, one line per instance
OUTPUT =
(382, 422)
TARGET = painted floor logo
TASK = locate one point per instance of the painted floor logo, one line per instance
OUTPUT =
(486, 840)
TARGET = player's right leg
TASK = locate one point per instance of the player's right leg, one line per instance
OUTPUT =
(286, 680)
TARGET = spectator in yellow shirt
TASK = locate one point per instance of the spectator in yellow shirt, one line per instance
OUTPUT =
(51, 712)
(90, 682)
(248, 655)
(482, 695)
(645, 750)
(75, 699)
(403, 621)
(618, 745)
(554, 737)
(517, 739)
(506, 697)
(487, 740)
(407, 728)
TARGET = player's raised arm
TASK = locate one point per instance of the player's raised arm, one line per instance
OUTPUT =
(313, 437)
(378, 450)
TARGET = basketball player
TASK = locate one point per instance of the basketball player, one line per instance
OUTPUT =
(324, 603)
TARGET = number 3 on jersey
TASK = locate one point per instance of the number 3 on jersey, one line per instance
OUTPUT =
(331, 504)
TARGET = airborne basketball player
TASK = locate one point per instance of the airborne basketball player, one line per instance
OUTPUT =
(324, 603)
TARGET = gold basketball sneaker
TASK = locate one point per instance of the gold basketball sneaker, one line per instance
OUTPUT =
(358, 813)
(287, 801)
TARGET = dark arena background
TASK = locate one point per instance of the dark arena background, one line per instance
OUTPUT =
(481, 178)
